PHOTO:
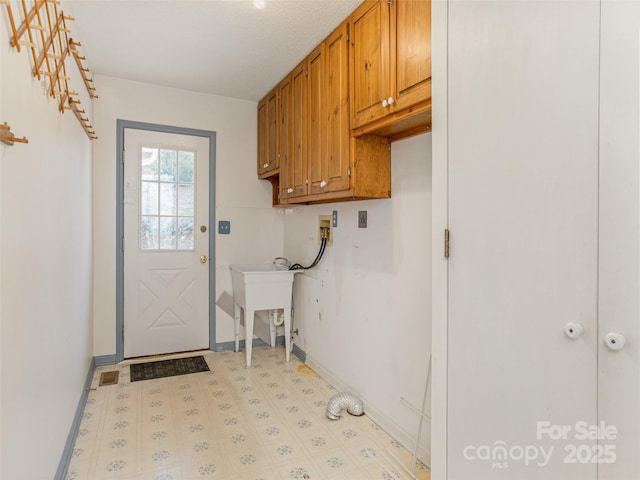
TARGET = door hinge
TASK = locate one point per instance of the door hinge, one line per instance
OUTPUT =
(123, 332)
(123, 156)
(347, 38)
(348, 172)
(446, 243)
(123, 244)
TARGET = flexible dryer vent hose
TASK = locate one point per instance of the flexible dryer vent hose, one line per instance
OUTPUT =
(341, 401)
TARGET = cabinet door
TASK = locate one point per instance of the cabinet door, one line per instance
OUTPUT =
(619, 236)
(268, 134)
(284, 126)
(410, 52)
(337, 113)
(272, 116)
(316, 151)
(263, 134)
(296, 175)
(369, 31)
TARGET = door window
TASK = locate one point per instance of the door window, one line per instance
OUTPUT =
(167, 192)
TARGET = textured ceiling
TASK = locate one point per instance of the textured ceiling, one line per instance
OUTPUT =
(223, 47)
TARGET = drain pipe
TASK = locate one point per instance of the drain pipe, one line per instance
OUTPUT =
(277, 317)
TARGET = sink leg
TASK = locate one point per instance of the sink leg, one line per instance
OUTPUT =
(287, 332)
(236, 324)
(248, 336)
(272, 326)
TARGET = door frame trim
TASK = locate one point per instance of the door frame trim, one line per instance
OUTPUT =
(121, 125)
(440, 221)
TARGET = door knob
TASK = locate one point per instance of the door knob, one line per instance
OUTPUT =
(203, 259)
(573, 330)
(615, 341)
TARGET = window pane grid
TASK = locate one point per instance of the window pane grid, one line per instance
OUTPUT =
(167, 200)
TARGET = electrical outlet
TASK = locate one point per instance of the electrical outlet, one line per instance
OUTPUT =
(224, 227)
(325, 223)
(362, 219)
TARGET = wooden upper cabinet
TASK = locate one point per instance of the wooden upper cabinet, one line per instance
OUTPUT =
(370, 80)
(323, 156)
(268, 145)
(390, 70)
(294, 179)
(317, 122)
(336, 160)
(304, 172)
(284, 125)
(325, 162)
(411, 52)
(272, 119)
(263, 134)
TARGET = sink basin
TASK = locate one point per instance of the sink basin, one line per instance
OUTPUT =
(261, 287)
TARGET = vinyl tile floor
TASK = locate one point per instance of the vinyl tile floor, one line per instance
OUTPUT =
(266, 422)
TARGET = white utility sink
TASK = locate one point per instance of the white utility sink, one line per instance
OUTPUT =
(261, 287)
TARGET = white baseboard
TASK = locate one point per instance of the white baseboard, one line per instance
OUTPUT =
(407, 440)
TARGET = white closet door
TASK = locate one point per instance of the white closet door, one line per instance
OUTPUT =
(619, 371)
(523, 215)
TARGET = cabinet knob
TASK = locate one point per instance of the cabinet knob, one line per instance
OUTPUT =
(323, 184)
(289, 190)
(390, 101)
(573, 330)
(384, 103)
(615, 341)
(265, 165)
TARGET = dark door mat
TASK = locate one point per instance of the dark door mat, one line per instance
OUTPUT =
(168, 368)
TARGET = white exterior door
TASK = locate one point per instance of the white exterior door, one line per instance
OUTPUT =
(523, 215)
(166, 243)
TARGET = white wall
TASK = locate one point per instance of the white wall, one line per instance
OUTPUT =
(256, 228)
(364, 314)
(46, 269)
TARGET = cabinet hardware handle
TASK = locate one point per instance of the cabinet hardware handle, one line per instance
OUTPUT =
(384, 103)
(265, 165)
(390, 101)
